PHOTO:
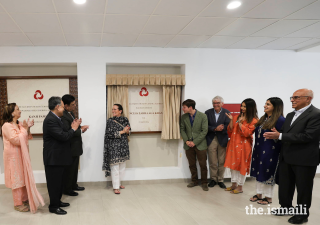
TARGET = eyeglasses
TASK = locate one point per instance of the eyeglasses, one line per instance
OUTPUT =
(297, 97)
(216, 103)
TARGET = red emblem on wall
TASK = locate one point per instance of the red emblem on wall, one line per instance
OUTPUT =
(38, 95)
(144, 92)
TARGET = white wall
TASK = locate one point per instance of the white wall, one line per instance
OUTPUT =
(233, 74)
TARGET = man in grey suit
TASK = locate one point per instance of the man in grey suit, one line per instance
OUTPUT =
(217, 139)
(299, 156)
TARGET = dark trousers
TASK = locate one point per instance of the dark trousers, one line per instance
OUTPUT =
(70, 176)
(192, 155)
(291, 176)
(54, 176)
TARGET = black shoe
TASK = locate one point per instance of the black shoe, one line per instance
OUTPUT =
(298, 219)
(79, 188)
(221, 184)
(58, 211)
(283, 211)
(72, 193)
(212, 183)
(64, 204)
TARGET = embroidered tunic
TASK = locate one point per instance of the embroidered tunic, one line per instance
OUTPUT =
(265, 155)
(116, 146)
(239, 148)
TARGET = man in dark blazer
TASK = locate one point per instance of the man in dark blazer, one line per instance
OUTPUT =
(299, 156)
(71, 174)
(217, 139)
(56, 152)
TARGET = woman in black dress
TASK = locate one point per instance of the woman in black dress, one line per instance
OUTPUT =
(116, 147)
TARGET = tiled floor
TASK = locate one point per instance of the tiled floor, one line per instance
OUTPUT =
(140, 204)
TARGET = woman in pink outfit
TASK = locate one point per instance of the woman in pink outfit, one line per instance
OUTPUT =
(17, 165)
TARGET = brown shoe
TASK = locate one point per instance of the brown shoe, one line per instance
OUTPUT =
(205, 187)
(190, 185)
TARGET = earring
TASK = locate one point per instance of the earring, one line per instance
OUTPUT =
(12, 115)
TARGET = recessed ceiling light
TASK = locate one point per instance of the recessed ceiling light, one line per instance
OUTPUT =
(234, 5)
(79, 1)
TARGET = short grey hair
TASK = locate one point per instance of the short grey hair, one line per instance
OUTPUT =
(219, 98)
(53, 102)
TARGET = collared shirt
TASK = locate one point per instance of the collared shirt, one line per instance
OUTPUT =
(217, 114)
(56, 116)
(296, 115)
(192, 118)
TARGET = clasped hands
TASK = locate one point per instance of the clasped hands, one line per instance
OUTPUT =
(190, 144)
(220, 127)
(272, 135)
(125, 130)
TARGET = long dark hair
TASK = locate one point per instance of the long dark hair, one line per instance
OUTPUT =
(7, 113)
(277, 104)
(251, 110)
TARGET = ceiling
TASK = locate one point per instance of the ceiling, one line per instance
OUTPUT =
(256, 24)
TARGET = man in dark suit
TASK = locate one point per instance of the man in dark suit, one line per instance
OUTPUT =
(71, 174)
(299, 156)
(56, 152)
(217, 139)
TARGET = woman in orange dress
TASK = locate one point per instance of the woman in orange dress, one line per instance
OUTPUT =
(239, 149)
(17, 166)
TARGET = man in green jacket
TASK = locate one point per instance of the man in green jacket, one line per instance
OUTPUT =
(194, 128)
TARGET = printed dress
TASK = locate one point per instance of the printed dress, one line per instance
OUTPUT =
(239, 149)
(265, 155)
(116, 146)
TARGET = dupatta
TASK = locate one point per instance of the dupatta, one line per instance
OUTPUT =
(34, 197)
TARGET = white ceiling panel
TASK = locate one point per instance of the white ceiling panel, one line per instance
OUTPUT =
(245, 27)
(81, 23)
(28, 6)
(83, 39)
(186, 41)
(138, 7)
(7, 24)
(310, 31)
(119, 40)
(283, 43)
(283, 27)
(181, 7)
(152, 40)
(310, 12)
(251, 42)
(206, 26)
(277, 8)
(14, 39)
(218, 8)
(41, 23)
(47, 39)
(166, 24)
(91, 6)
(220, 42)
(305, 44)
(125, 24)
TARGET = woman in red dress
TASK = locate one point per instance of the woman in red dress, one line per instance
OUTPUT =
(239, 149)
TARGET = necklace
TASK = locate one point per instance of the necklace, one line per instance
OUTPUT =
(260, 127)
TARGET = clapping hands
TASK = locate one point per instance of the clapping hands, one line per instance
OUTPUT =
(76, 123)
